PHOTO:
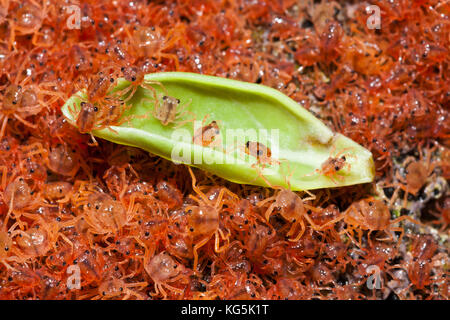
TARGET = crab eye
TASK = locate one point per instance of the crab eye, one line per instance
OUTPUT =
(343, 158)
(178, 101)
(164, 97)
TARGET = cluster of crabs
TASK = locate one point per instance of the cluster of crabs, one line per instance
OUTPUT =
(89, 219)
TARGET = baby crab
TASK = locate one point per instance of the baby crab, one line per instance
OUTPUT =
(103, 214)
(136, 77)
(100, 85)
(20, 198)
(18, 195)
(58, 191)
(90, 117)
(170, 111)
(27, 19)
(293, 209)
(102, 108)
(443, 214)
(113, 287)
(417, 174)
(164, 270)
(6, 244)
(425, 258)
(333, 166)
(369, 214)
(64, 160)
(87, 117)
(21, 100)
(8, 249)
(208, 135)
(261, 152)
(40, 238)
(204, 220)
(423, 263)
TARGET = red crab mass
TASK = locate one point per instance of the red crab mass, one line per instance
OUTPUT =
(136, 226)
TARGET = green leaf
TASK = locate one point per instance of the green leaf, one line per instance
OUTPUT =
(244, 112)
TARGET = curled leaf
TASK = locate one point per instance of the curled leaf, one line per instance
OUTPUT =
(243, 132)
